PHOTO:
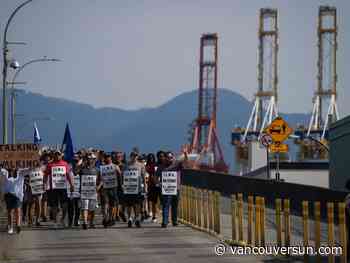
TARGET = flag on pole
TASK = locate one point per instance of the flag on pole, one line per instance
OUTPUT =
(37, 138)
(67, 145)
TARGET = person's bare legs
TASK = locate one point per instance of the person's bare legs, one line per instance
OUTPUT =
(37, 210)
(10, 218)
(44, 210)
(92, 217)
(154, 209)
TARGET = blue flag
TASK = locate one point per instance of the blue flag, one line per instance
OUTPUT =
(37, 138)
(67, 146)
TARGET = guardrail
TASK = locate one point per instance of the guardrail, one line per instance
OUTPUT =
(201, 209)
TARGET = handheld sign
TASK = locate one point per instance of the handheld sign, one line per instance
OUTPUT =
(59, 177)
(36, 181)
(131, 182)
(88, 187)
(169, 183)
(19, 156)
(109, 176)
(278, 130)
(76, 183)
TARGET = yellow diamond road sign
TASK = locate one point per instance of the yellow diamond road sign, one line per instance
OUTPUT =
(278, 130)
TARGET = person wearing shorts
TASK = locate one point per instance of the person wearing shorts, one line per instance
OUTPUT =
(74, 202)
(36, 183)
(109, 173)
(133, 199)
(57, 175)
(154, 190)
(13, 190)
(120, 162)
(89, 179)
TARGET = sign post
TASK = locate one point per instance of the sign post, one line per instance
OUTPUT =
(266, 141)
(279, 132)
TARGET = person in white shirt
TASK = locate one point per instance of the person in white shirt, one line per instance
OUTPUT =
(13, 190)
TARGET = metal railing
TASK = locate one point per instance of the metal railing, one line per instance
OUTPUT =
(251, 223)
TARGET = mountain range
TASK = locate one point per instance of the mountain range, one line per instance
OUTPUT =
(150, 129)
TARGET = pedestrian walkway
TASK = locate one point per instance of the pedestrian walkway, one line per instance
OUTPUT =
(151, 243)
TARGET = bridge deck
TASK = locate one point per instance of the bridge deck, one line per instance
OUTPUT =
(151, 243)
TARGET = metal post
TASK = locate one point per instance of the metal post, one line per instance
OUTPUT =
(268, 162)
(4, 73)
(250, 219)
(234, 217)
(330, 215)
(317, 211)
(305, 205)
(286, 212)
(278, 210)
(257, 221)
(342, 232)
(278, 167)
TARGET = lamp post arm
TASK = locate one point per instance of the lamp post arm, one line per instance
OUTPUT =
(10, 19)
(28, 63)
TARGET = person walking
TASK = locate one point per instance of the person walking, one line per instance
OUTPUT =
(109, 180)
(74, 202)
(170, 184)
(57, 175)
(133, 188)
(89, 179)
(13, 190)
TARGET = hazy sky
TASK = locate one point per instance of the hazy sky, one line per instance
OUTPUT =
(132, 54)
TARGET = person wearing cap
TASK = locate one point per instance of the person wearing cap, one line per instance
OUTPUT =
(120, 162)
(46, 159)
(74, 196)
(109, 173)
(89, 181)
(171, 198)
(36, 186)
(133, 188)
(57, 174)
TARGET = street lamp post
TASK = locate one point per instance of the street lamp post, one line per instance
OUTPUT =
(13, 95)
(4, 71)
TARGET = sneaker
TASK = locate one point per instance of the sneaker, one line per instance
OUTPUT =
(154, 220)
(137, 223)
(105, 223)
(18, 229)
(164, 225)
(122, 216)
(85, 226)
(9, 230)
(129, 223)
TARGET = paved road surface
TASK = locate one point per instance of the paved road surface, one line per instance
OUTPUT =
(118, 244)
